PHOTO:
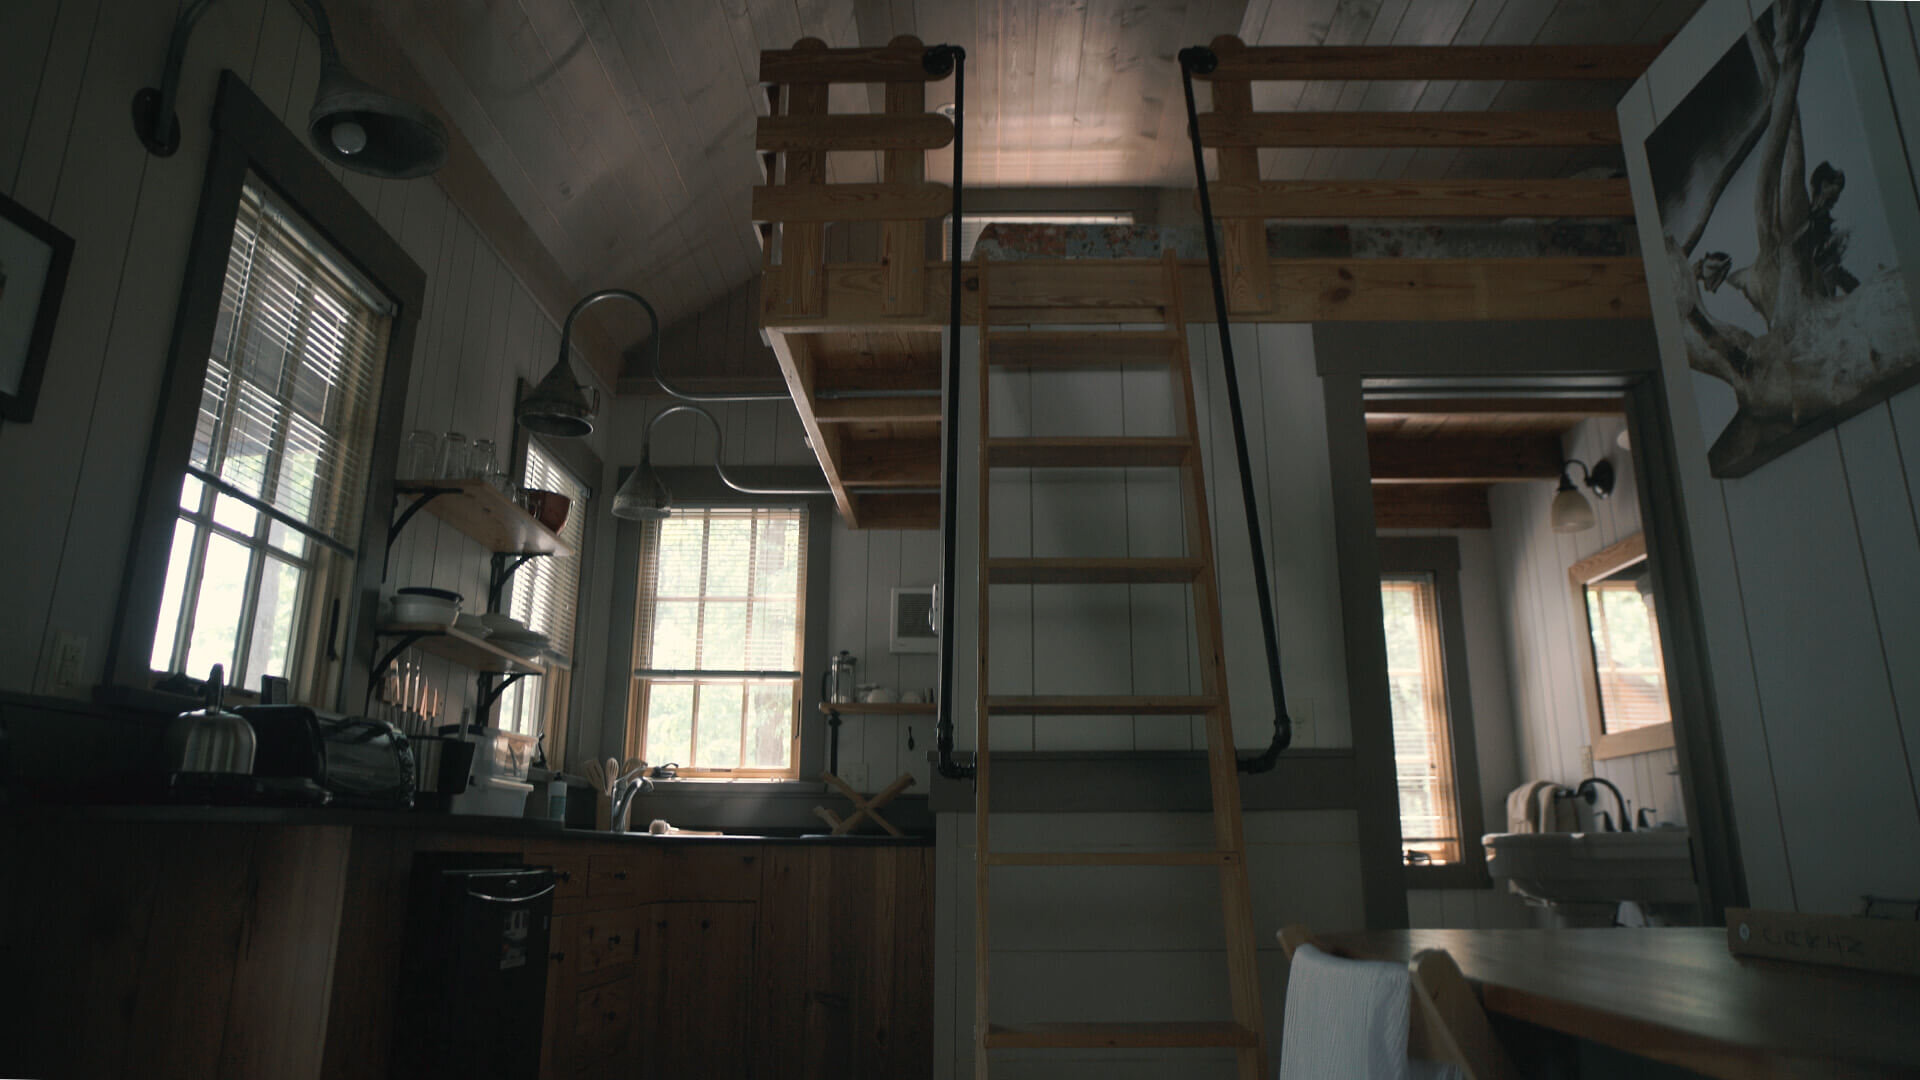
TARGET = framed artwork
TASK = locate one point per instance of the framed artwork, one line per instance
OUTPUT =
(1784, 257)
(33, 273)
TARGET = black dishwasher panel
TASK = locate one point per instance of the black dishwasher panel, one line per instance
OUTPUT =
(474, 976)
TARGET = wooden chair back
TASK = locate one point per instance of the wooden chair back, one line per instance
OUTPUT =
(1445, 1021)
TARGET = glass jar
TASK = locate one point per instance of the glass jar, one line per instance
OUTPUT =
(419, 456)
(480, 462)
(453, 456)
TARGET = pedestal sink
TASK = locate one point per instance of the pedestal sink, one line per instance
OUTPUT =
(1652, 866)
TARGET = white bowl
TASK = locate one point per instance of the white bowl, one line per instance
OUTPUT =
(501, 622)
(424, 609)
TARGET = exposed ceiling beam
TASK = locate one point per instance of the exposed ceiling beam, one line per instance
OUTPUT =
(1392, 129)
(1431, 506)
(1463, 459)
(1573, 408)
(1445, 62)
(1287, 199)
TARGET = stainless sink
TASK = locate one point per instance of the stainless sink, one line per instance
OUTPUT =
(1651, 866)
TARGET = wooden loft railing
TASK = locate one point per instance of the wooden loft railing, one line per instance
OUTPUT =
(1243, 202)
(859, 342)
(867, 389)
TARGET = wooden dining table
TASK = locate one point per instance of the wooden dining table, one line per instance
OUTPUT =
(1677, 995)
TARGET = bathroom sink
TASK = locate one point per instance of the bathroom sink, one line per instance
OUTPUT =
(1650, 866)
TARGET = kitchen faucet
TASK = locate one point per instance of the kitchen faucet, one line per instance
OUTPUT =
(1589, 789)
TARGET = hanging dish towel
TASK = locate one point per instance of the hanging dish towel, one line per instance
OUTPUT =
(1344, 1018)
(1523, 806)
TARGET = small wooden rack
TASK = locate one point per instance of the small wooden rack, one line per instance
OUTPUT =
(462, 648)
(479, 510)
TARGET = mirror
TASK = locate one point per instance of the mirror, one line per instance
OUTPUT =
(1625, 670)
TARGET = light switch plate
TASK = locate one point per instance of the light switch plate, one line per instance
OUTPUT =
(69, 660)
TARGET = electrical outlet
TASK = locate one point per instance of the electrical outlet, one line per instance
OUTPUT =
(1586, 762)
(69, 660)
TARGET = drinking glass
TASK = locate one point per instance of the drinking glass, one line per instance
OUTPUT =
(419, 455)
(453, 456)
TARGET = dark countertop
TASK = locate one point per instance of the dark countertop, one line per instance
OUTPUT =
(432, 822)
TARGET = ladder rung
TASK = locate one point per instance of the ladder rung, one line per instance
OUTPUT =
(1072, 349)
(1102, 705)
(1111, 858)
(1091, 571)
(1081, 452)
(1143, 1034)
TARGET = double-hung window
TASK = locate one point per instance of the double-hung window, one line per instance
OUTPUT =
(1434, 765)
(263, 545)
(546, 597)
(720, 622)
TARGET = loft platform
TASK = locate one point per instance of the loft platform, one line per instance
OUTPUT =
(859, 342)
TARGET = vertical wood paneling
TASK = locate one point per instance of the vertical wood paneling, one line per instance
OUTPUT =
(67, 154)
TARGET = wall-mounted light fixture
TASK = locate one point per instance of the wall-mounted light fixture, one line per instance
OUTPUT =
(351, 124)
(645, 497)
(1571, 511)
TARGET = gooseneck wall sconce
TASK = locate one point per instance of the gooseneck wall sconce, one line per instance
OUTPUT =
(351, 124)
(1571, 511)
(645, 497)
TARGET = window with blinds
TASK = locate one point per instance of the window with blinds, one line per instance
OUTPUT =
(546, 596)
(276, 480)
(1626, 652)
(720, 626)
(1422, 738)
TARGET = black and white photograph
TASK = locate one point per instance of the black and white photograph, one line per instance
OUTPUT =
(1785, 269)
(33, 270)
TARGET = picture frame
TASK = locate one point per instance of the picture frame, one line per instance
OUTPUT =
(1792, 247)
(34, 257)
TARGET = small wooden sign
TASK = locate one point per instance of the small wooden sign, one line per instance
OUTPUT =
(1833, 940)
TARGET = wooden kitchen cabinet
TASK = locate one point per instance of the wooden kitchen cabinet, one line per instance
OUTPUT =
(693, 1006)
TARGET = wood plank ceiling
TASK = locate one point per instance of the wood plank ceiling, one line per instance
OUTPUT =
(622, 130)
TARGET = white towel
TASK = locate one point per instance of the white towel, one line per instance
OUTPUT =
(1523, 807)
(1345, 1019)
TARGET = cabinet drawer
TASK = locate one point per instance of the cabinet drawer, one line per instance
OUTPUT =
(571, 870)
(605, 939)
(611, 875)
(603, 1021)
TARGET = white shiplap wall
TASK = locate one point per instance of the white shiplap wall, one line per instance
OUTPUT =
(68, 153)
(1808, 567)
(1546, 630)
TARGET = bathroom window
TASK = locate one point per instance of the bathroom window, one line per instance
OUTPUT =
(1436, 784)
(1422, 749)
(719, 634)
(1628, 711)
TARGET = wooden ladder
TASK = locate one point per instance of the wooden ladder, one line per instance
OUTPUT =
(1245, 1033)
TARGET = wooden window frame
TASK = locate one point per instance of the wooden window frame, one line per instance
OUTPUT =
(249, 139)
(1439, 557)
(699, 486)
(1598, 566)
(640, 697)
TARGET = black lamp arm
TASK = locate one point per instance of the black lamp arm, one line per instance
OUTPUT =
(719, 444)
(153, 110)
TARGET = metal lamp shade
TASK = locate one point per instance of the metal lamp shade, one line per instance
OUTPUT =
(644, 497)
(359, 128)
(1571, 511)
(558, 406)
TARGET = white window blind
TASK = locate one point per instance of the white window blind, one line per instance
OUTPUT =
(720, 628)
(546, 591)
(287, 412)
(1422, 740)
(270, 509)
(1626, 657)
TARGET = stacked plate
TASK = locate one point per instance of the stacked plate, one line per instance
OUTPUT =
(522, 642)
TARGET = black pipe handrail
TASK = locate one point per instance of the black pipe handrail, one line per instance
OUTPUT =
(1202, 59)
(938, 61)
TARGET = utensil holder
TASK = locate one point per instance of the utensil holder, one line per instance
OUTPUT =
(603, 814)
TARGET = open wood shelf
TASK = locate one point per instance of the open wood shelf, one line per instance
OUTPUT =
(879, 708)
(479, 510)
(462, 648)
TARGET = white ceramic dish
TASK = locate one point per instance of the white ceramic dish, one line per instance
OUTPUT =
(502, 623)
(430, 610)
(472, 624)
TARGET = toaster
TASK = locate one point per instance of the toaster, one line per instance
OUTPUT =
(361, 763)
